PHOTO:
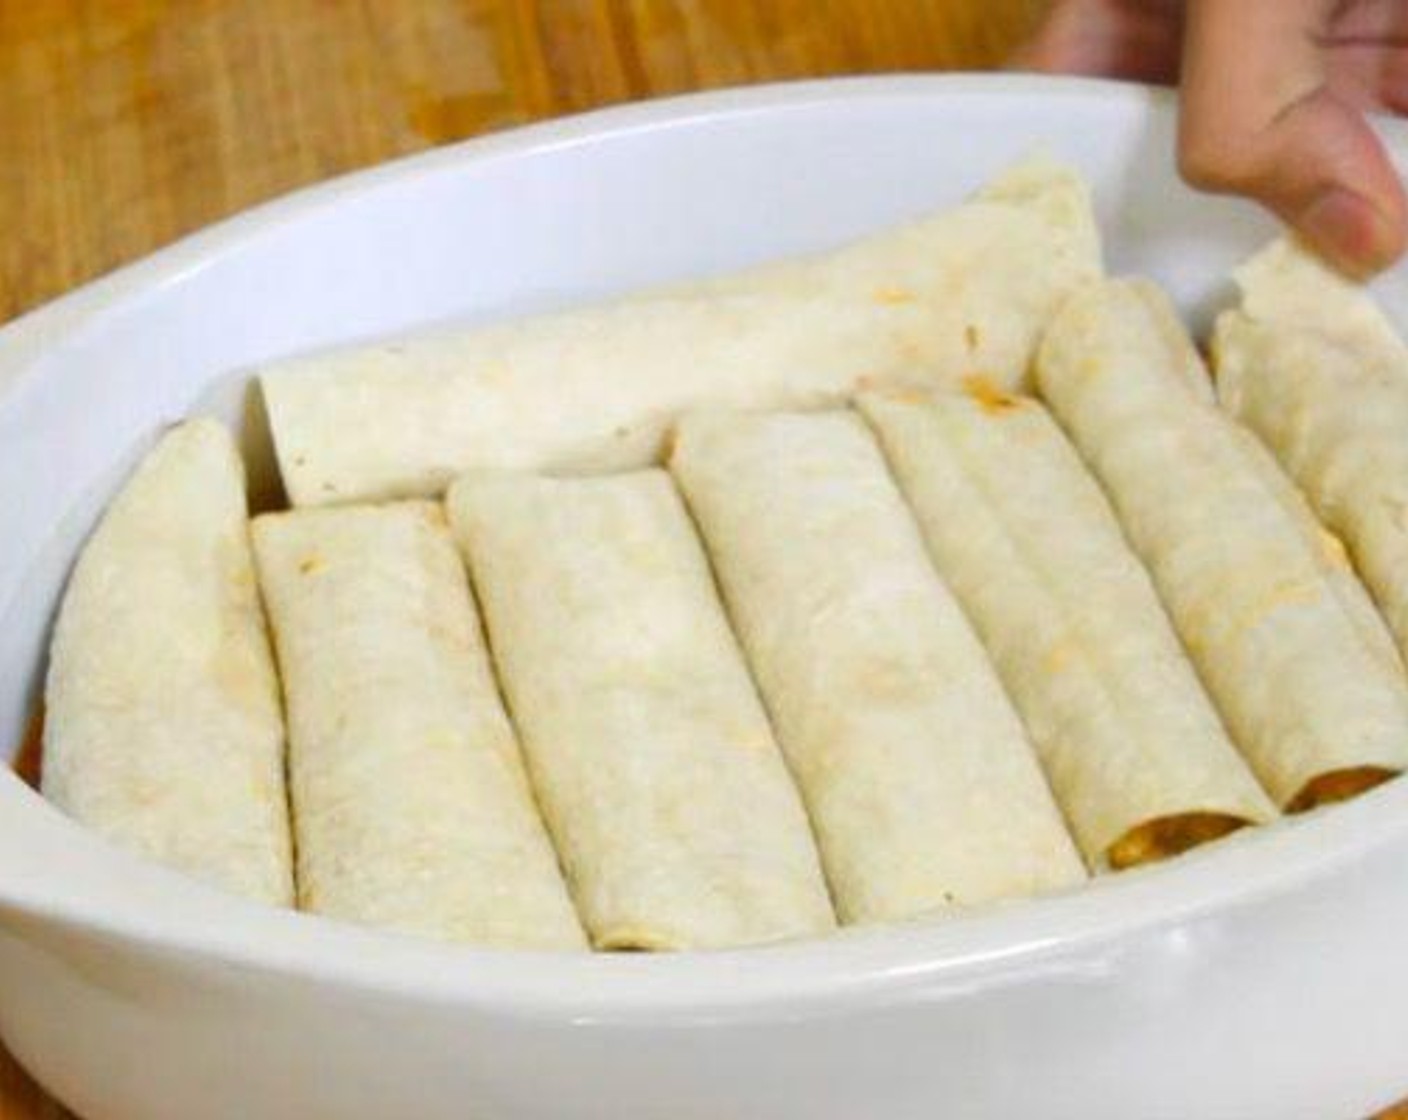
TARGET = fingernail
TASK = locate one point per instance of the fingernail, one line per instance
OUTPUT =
(1353, 233)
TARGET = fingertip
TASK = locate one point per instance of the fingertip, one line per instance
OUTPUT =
(1354, 233)
(1320, 166)
(1356, 214)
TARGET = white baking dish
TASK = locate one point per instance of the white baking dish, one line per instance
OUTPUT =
(1265, 976)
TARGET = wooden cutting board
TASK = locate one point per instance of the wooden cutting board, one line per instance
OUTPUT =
(126, 123)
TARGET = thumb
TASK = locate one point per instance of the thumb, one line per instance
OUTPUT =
(1259, 119)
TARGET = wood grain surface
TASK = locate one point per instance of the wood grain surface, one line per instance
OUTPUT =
(126, 123)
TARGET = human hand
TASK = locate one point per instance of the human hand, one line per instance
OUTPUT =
(1273, 101)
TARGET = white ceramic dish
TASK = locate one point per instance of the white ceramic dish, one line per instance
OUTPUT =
(1264, 977)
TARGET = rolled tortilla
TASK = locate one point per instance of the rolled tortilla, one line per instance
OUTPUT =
(596, 388)
(1316, 370)
(163, 729)
(411, 808)
(677, 821)
(1136, 754)
(922, 786)
(1284, 636)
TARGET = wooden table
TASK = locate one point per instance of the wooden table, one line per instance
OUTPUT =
(125, 123)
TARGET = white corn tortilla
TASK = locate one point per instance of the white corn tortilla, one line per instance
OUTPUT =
(1311, 364)
(1284, 636)
(596, 388)
(921, 784)
(678, 823)
(163, 726)
(411, 808)
(1136, 754)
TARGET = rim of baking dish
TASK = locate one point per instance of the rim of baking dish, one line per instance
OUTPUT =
(54, 871)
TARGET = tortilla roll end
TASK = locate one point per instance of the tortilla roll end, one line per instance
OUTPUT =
(1166, 837)
(1339, 785)
(638, 939)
